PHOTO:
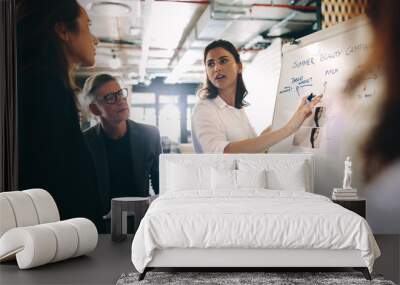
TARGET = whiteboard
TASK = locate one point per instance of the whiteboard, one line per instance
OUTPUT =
(321, 63)
(262, 78)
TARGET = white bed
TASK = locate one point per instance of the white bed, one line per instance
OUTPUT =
(247, 211)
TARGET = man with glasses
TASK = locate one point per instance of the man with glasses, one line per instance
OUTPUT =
(125, 153)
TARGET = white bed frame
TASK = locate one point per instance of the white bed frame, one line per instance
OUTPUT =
(251, 258)
(234, 257)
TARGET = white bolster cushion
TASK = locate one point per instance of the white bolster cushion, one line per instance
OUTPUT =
(67, 240)
(45, 205)
(22, 207)
(37, 245)
(33, 246)
(26, 208)
(7, 218)
(87, 235)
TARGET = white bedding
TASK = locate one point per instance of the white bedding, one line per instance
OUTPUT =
(251, 218)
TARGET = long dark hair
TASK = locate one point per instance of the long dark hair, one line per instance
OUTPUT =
(381, 147)
(210, 90)
(37, 42)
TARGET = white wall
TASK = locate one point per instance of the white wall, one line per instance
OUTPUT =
(261, 78)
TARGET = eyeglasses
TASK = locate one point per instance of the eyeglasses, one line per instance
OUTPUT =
(112, 98)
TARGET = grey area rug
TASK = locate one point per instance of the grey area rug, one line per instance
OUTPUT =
(269, 278)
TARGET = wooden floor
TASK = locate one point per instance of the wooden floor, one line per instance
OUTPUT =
(103, 266)
(389, 262)
(110, 260)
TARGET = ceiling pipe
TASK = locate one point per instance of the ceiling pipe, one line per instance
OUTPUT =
(185, 1)
(247, 18)
(244, 12)
(182, 58)
(288, 6)
(289, 18)
(266, 34)
(147, 31)
(195, 35)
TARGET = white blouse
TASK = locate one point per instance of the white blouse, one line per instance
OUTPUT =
(215, 124)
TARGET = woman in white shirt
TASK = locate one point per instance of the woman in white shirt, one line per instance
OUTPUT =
(219, 122)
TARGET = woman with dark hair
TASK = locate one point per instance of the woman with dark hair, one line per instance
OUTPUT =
(52, 38)
(381, 148)
(219, 123)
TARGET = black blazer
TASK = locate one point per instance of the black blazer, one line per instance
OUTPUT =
(145, 150)
(52, 151)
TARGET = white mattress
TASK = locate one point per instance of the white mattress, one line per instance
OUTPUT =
(253, 218)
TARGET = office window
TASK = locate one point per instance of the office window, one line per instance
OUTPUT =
(144, 115)
(169, 99)
(167, 117)
(142, 98)
(191, 101)
(143, 108)
(169, 120)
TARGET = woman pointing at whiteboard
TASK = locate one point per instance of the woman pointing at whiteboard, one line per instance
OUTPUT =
(219, 122)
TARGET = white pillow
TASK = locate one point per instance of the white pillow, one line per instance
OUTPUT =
(281, 174)
(182, 177)
(251, 178)
(193, 175)
(223, 179)
(293, 179)
(226, 179)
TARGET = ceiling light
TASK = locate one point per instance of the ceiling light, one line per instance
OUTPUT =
(115, 62)
(109, 8)
(134, 31)
(133, 74)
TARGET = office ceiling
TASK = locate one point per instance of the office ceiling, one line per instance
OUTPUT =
(141, 40)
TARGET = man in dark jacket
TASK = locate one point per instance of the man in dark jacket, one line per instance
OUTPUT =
(125, 153)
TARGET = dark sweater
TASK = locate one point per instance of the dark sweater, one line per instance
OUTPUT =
(120, 166)
(52, 152)
(145, 148)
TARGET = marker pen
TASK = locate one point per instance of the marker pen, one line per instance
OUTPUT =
(310, 97)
